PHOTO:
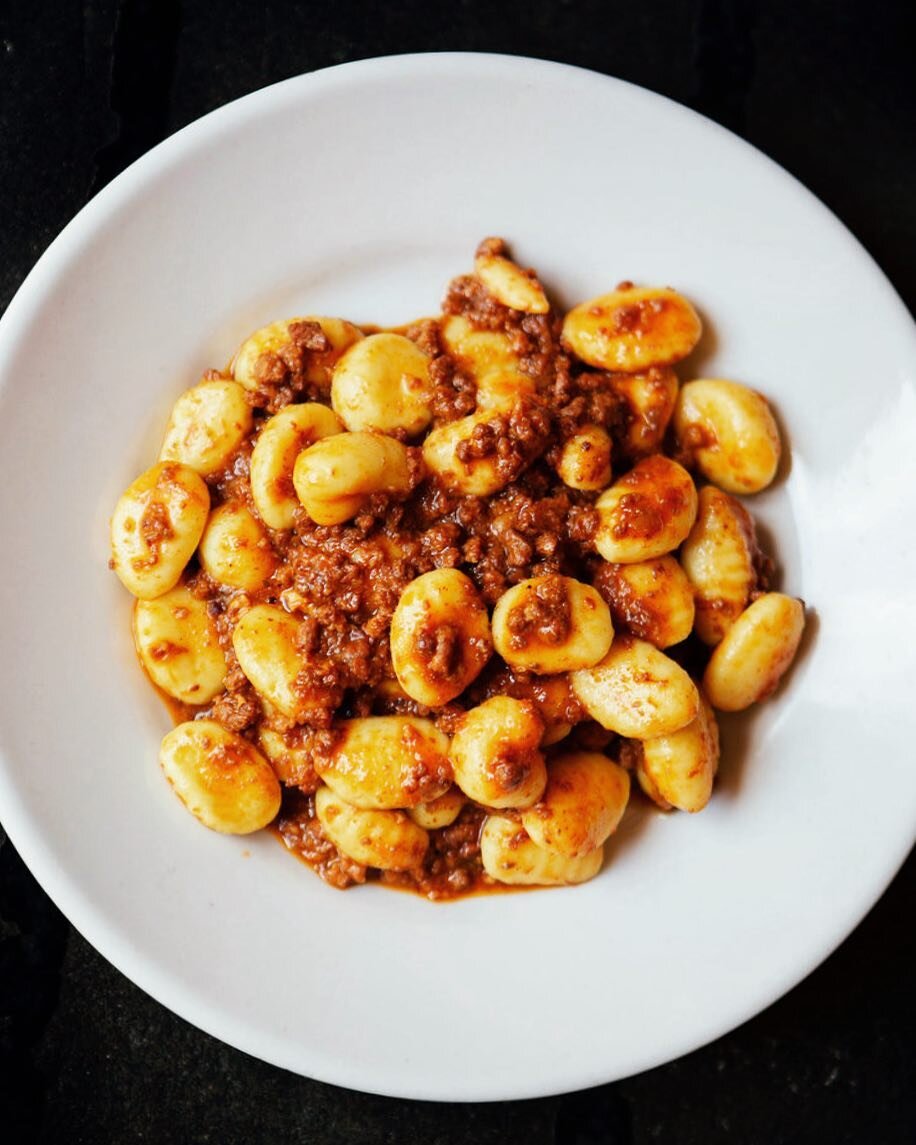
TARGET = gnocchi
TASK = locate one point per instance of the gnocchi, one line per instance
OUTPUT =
(646, 513)
(382, 383)
(334, 477)
(440, 636)
(509, 855)
(632, 329)
(156, 526)
(730, 433)
(583, 802)
(234, 548)
(309, 346)
(426, 597)
(282, 438)
(551, 624)
(637, 691)
(718, 560)
(207, 425)
(495, 753)
(585, 460)
(752, 657)
(178, 646)
(221, 778)
(677, 770)
(387, 840)
(385, 762)
(653, 600)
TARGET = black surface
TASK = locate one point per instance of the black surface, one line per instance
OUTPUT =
(827, 89)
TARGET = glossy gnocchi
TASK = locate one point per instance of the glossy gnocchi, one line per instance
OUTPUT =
(235, 549)
(440, 636)
(309, 345)
(278, 445)
(382, 383)
(495, 753)
(718, 560)
(179, 647)
(207, 425)
(582, 805)
(730, 432)
(637, 691)
(386, 840)
(551, 624)
(750, 660)
(221, 778)
(334, 477)
(646, 513)
(439, 602)
(156, 526)
(385, 762)
(633, 328)
(509, 855)
(677, 770)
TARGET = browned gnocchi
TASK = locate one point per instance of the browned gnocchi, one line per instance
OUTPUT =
(439, 603)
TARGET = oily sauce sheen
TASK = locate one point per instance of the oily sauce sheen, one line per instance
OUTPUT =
(336, 587)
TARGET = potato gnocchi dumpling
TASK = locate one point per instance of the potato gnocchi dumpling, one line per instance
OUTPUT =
(678, 769)
(585, 459)
(718, 558)
(511, 856)
(282, 438)
(482, 352)
(633, 328)
(583, 802)
(207, 425)
(221, 778)
(384, 762)
(509, 284)
(439, 812)
(178, 646)
(234, 548)
(448, 453)
(551, 624)
(649, 399)
(637, 691)
(266, 643)
(334, 477)
(387, 840)
(730, 433)
(440, 636)
(653, 600)
(646, 513)
(435, 602)
(495, 753)
(382, 383)
(156, 526)
(287, 342)
(752, 657)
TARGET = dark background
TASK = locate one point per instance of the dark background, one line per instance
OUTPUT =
(825, 88)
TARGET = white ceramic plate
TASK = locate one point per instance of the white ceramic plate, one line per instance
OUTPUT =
(360, 191)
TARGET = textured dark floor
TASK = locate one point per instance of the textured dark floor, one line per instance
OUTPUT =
(825, 88)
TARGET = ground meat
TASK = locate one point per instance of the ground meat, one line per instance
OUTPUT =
(454, 391)
(283, 375)
(542, 617)
(452, 864)
(237, 710)
(301, 832)
(342, 583)
(155, 527)
(440, 650)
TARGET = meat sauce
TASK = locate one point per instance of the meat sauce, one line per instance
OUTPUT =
(343, 582)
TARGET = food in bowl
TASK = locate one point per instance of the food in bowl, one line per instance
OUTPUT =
(428, 600)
